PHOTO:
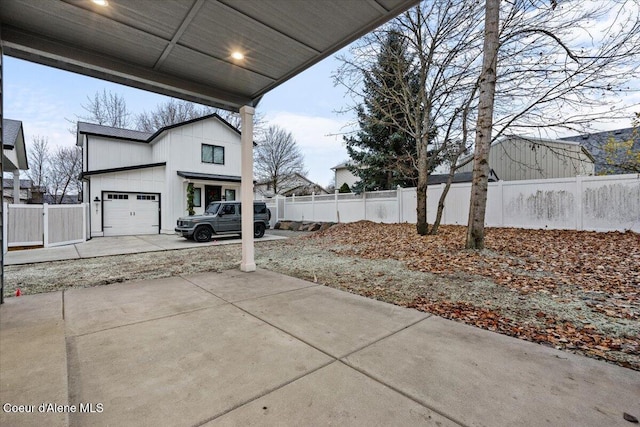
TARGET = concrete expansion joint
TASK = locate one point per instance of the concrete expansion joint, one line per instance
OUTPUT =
(265, 393)
(386, 336)
(405, 394)
(141, 322)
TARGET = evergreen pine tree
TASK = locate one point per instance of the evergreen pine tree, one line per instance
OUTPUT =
(382, 154)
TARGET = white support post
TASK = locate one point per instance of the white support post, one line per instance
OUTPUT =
(335, 196)
(246, 188)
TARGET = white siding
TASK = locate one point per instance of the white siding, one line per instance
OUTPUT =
(151, 180)
(107, 153)
(519, 159)
(181, 148)
(344, 175)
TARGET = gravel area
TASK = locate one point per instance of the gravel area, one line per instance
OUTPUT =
(552, 318)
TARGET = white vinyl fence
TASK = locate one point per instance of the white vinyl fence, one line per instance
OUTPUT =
(44, 225)
(600, 203)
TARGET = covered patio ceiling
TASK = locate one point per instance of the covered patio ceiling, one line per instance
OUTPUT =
(184, 48)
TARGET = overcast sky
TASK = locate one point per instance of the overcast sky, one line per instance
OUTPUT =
(43, 98)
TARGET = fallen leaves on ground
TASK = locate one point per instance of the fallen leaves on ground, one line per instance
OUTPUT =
(597, 271)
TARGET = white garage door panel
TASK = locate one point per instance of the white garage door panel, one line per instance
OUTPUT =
(130, 214)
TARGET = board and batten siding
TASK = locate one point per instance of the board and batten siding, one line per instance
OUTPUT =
(108, 153)
(181, 148)
(150, 180)
(515, 159)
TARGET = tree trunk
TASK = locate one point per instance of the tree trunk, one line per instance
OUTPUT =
(479, 184)
(443, 196)
(421, 209)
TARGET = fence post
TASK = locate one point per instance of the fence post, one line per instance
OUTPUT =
(84, 222)
(399, 200)
(364, 204)
(578, 198)
(5, 227)
(501, 189)
(335, 196)
(45, 224)
(313, 206)
(277, 210)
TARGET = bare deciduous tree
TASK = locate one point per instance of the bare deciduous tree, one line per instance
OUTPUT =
(277, 158)
(443, 39)
(39, 162)
(487, 86)
(108, 109)
(171, 112)
(65, 168)
(559, 66)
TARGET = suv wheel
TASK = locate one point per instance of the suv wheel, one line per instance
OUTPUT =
(258, 230)
(202, 234)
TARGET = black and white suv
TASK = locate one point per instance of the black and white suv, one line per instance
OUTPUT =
(222, 218)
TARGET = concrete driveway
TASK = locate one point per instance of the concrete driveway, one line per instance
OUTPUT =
(119, 245)
(261, 348)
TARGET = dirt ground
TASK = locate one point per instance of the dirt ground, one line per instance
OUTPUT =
(577, 291)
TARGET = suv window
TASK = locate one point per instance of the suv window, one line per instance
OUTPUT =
(213, 208)
(259, 209)
(228, 209)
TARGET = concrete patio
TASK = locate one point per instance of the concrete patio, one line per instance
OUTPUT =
(261, 348)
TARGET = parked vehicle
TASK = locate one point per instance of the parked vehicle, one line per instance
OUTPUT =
(222, 218)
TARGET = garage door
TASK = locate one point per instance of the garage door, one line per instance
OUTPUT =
(131, 214)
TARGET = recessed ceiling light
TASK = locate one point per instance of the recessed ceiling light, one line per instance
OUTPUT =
(102, 3)
(237, 55)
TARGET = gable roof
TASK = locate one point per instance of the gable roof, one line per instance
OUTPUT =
(596, 141)
(13, 140)
(113, 132)
(342, 165)
(136, 135)
(11, 129)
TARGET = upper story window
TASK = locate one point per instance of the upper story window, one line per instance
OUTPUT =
(212, 154)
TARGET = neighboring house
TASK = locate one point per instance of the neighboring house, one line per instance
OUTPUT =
(595, 143)
(458, 178)
(67, 199)
(297, 184)
(516, 158)
(344, 175)
(28, 192)
(14, 154)
(136, 182)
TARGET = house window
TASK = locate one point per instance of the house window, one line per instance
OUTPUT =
(197, 197)
(229, 195)
(212, 154)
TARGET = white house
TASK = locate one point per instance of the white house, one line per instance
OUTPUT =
(136, 182)
(14, 154)
(296, 183)
(344, 175)
(516, 158)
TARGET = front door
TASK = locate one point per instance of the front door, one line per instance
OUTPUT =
(212, 193)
